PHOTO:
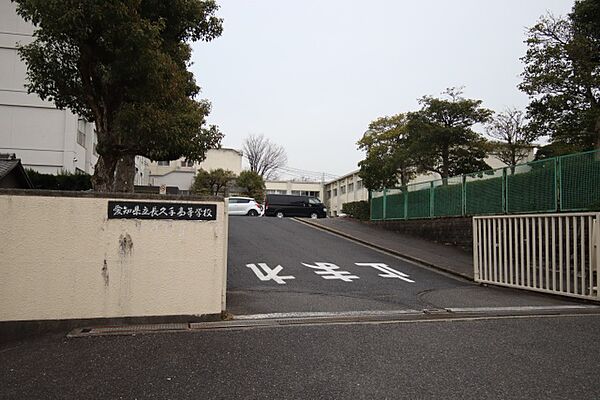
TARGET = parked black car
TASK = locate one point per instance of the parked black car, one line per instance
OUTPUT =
(283, 205)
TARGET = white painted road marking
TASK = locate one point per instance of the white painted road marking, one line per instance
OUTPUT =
(388, 272)
(270, 274)
(330, 271)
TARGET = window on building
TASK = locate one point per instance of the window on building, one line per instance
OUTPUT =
(164, 163)
(187, 163)
(313, 194)
(343, 189)
(334, 192)
(297, 192)
(81, 132)
(351, 187)
(359, 185)
(328, 195)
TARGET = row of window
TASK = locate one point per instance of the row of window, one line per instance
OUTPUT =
(184, 163)
(81, 135)
(305, 193)
(359, 185)
(310, 193)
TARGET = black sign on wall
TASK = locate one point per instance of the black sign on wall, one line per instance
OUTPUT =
(152, 210)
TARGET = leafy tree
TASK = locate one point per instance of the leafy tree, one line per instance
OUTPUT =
(513, 137)
(212, 183)
(264, 156)
(388, 157)
(562, 78)
(123, 65)
(252, 184)
(441, 136)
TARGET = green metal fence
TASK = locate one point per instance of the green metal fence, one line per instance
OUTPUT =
(377, 200)
(448, 197)
(484, 193)
(531, 187)
(567, 183)
(579, 181)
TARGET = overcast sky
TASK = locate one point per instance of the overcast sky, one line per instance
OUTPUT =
(311, 75)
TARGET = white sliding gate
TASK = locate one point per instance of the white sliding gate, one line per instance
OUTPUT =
(551, 253)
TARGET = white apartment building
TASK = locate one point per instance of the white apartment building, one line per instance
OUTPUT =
(181, 173)
(345, 189)
(44, 138)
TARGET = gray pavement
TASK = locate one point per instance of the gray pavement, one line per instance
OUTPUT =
(520, 358)
(447, 258)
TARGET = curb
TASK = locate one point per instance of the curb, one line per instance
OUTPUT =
(383, 248)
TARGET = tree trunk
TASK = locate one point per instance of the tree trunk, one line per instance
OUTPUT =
(124, 174)
(445, 163)
(104, 173)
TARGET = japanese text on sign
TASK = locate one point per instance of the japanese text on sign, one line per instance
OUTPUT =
(151, 210)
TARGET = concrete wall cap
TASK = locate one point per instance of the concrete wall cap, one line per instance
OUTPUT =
(101, 195)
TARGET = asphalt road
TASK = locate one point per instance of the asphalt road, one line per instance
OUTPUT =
(281, 265)
(445, 357)
(517, 358)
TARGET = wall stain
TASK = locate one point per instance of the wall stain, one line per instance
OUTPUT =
(105, 273)
(125, 245)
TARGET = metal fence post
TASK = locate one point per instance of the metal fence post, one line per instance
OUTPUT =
(405, 191)
(558, 186)
(384, 203)
(596, 252)
(504, 191)
(464, 195)
(476, 249)
(431, 200)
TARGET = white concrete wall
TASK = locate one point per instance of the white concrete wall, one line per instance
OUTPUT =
(61, 258)
(230, 159)
(183, 179)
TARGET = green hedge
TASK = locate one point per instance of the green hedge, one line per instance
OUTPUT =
(63, 181)
(357, 209)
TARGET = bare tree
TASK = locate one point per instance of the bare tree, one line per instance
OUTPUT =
(264, 156)
(513, 138)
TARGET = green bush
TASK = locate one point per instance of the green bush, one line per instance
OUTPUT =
(64, 181)
(357, 209)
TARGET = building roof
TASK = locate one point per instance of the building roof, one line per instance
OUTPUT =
(356, 171)
(293, 181)
(229, 149)
(9, 164)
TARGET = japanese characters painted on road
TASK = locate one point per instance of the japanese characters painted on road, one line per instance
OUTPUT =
(269, 274)
(331, 271)
(153, 210)
(388, 272)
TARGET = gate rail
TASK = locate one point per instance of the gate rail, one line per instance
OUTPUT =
(550, 253)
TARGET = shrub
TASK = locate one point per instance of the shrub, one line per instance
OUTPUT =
(78, 181)
(357, 209)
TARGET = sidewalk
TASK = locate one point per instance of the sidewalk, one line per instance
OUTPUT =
(446, 258)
